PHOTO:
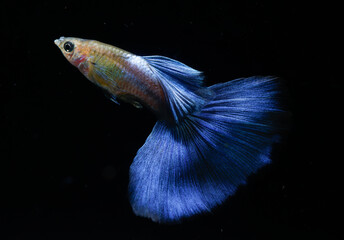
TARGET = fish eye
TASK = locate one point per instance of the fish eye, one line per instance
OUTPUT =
(68, 46)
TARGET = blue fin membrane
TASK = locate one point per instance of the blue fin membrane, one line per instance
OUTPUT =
(182, 86)
(191, 167)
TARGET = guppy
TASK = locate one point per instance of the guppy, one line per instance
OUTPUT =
(207, 140)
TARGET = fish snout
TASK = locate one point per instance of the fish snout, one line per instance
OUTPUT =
(59, 41)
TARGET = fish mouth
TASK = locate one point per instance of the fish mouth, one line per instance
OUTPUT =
(58, 41)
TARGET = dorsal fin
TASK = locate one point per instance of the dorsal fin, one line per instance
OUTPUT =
(182, 85)
(178, 70)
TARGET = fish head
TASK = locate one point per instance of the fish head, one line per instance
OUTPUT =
(75, 50)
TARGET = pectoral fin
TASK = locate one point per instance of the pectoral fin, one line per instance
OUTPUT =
(112, 97)
(136, 104)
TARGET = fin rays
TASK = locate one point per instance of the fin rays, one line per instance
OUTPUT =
(182, 86)
(195, 165)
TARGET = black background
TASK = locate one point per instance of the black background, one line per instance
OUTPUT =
(66, 149)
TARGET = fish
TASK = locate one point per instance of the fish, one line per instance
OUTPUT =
(207, 140)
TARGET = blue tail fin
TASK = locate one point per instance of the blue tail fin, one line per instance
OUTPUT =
(191, 167)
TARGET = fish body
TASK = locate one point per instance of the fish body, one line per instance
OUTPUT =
(207, 140)
(123, 75)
